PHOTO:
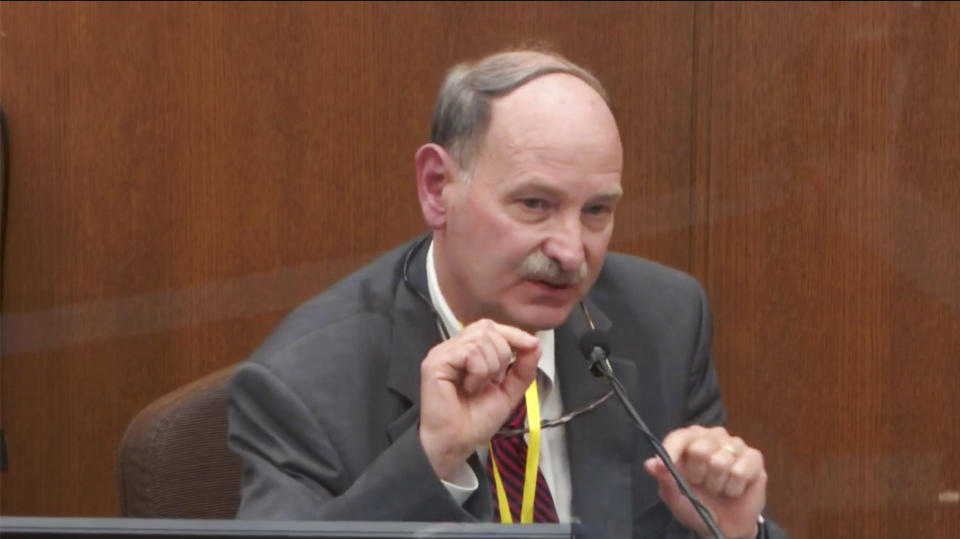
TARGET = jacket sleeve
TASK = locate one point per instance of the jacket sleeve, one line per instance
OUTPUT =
(704, 405)
(293, 470)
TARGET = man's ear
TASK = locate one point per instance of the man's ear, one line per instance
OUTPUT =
(435, 171)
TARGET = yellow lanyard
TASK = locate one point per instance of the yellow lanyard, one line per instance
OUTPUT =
(533, 463)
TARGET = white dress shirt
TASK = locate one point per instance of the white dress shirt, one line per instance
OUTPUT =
(554, 462)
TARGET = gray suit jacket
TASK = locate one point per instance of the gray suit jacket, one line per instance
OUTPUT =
(324, 414)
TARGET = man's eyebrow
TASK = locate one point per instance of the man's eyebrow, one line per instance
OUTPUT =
(534, 184)
(538, 184)
(612, 195)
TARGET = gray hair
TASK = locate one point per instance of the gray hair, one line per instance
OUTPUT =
(461, 115)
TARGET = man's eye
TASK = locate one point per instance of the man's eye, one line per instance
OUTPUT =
(533, 203)
(598, 209)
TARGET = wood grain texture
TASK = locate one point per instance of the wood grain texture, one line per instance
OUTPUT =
(182, 175)
(832, 241)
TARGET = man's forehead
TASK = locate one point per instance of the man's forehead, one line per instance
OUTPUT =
(607, 187)
(548, 92)
(542, 162)
(549, 112)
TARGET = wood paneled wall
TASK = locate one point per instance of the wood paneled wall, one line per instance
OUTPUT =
(182, 175)
(831, 190)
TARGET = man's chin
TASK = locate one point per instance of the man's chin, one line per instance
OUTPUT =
(535, 318)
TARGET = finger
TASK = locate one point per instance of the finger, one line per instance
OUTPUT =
(507, 338)
(655, 467)
(697, 459)
(519, 376)
(503, 352)
(737, 444)
(516, 337)
(496, 363)
(476, 370)
(735, 486)
(718, 471)
(748, 469)
(666, 485)
(736, 478)
(489, 346)
(676, 442)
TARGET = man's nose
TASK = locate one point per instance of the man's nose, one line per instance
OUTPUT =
(565, 244)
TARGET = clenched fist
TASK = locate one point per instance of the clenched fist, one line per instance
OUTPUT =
(724, 472)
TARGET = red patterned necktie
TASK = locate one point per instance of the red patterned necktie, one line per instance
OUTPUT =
(510, 453)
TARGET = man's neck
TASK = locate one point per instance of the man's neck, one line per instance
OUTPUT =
(449, 319)
(444, 286)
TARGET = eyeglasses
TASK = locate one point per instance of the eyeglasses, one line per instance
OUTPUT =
(562, 420)
(544, 424)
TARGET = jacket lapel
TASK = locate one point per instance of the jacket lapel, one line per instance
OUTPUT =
(599, 446)
(605, 447)
(414, 333)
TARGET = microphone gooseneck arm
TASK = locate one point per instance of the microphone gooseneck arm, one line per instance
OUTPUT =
(596, 349)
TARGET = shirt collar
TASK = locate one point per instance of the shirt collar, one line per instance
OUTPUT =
(546, 365)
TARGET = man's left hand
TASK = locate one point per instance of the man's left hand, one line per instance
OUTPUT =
(724, 472)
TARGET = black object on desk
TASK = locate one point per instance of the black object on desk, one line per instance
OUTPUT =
(141, 528)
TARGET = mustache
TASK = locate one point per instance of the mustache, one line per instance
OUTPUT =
(540, 267)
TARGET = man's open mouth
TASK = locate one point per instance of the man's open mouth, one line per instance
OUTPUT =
(552, 285)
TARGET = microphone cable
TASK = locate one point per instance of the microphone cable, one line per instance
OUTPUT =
(595, 346)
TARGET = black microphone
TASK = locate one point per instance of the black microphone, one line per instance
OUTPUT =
(595, 346)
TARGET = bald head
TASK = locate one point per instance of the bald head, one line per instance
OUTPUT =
(464, 107)
(558, 116)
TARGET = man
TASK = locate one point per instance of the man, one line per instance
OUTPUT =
(389, 396)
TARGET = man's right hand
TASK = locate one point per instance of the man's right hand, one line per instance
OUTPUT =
(468, 387)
